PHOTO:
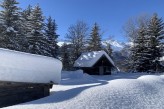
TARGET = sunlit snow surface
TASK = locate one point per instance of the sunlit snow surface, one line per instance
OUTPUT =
(118, 91)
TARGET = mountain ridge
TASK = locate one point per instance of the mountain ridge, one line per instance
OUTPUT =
(116, 45)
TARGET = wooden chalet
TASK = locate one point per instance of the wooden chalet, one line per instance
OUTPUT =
(95, 63)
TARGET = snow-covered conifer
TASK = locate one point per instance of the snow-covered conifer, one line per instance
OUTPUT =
(10, 22)
(51, 35)
(36, 39)
(94, 41)
(156, 36)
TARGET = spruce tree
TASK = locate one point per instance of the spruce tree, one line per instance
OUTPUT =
(26, 15)
(27, 12)
(141, 57)
(10, 22)
(36, 39)
(108, 49)
(51, 35)
(65, 57)
(94, 41)
(156, 35)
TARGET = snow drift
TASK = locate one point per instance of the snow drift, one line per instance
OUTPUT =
(24, 67)
(118, 91)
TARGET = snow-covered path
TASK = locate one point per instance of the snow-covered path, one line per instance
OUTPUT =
(119, 91)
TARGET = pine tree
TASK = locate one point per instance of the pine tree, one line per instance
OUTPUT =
(65, 55)
(26, 26)
(26, 16)
(10, 22)
(36, 39)
(27, 12)
(50, 32)
(141, 57)
(94, 42)
(108, 49)
(147, 46)
(156, 35)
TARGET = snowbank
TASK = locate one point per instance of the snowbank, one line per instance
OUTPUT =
(72, 74)
(24, 67)
(105, 93)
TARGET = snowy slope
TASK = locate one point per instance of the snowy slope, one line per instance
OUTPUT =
(119, 91)
(24, 67)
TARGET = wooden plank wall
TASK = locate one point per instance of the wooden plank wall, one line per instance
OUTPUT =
(12, 93)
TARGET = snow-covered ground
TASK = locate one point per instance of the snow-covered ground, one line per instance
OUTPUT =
(117, 91)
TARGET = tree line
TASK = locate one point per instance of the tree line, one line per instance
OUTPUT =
(81, 40)
(29, 31)
(26, 30)
(147, 37)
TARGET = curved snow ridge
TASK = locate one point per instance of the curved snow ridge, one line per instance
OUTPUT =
(118, 94)
(145, 92)
(76, 78)
(152, 78)
(124, 94)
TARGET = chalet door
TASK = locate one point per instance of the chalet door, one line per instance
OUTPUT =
(101, 70)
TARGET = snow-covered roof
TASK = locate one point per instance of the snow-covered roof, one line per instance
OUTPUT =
(88, 59)
(24, 67)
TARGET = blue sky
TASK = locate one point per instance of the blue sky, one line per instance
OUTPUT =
(111, 15)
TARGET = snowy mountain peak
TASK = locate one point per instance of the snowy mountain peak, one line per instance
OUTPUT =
(60, 43)
(116, 45)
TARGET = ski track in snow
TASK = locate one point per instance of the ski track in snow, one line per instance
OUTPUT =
(118, 91)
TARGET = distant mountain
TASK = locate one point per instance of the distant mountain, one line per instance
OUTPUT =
(60, 43)
(120, 52)
(116, 45)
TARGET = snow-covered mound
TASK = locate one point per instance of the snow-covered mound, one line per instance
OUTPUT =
(24, 67)
(76, 77)
(72, 74)
(152, 78)
(119, 91)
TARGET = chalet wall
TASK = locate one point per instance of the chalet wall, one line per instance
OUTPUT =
(94, 70)
(103, 61)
